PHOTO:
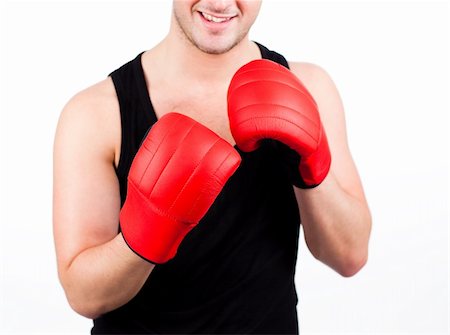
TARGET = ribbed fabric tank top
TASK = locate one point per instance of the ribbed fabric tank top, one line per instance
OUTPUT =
(234, 272)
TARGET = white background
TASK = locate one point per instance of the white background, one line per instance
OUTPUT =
(390, 61)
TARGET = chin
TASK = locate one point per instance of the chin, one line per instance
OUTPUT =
(216, 47)
(212, 50)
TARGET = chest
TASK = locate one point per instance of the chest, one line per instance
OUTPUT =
(208, 108)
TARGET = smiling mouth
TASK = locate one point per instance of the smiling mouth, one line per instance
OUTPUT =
(215, 19)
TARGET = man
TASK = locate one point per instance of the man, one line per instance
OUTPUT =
(174, 215)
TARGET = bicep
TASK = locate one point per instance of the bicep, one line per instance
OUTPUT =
(86, 200)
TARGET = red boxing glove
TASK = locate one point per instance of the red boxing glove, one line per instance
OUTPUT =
(178, 172)
(267, 101)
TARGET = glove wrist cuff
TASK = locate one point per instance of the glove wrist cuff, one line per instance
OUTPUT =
(151, 234)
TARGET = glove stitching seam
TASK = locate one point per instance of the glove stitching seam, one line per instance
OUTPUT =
(154, 154)
(191, 176)
(170, 158)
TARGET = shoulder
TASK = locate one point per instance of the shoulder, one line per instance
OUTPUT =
(92, 117)
(315, 78)
(93, 102)
(322, 87)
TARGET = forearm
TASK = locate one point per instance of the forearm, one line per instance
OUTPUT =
(104, 278)
(336, 225)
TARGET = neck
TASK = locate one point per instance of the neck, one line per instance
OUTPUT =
(183, 59)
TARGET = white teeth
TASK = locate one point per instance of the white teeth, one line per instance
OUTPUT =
(215, 19)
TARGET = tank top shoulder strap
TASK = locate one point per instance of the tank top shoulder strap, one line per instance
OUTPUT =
(136, 113)
(272, 55)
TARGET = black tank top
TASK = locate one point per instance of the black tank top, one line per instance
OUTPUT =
(234, 272)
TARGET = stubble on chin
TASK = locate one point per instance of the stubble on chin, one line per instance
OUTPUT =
(216, 50)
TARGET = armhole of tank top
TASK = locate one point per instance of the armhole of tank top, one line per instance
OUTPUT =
(143, 91)
(117, 82)
(137, 90)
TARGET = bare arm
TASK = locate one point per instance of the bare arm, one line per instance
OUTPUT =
(96, 268)
(335, 216)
